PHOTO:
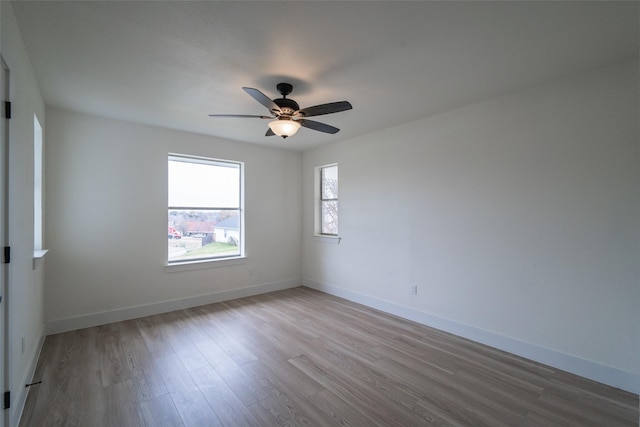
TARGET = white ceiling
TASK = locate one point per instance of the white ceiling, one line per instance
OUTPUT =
(171, 64)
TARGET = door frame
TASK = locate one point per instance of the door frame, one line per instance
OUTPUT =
(4, 235)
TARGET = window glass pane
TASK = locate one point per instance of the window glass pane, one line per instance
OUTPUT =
(203, 233)
(329, 224)
(329, 185)
(202, 185)
(205, 211)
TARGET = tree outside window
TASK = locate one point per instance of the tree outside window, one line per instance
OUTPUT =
(329, 200)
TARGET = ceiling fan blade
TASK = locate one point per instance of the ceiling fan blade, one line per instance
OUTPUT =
(241, 116)
(269, 133)
(262, 99)
(322, 127)
(318, 110)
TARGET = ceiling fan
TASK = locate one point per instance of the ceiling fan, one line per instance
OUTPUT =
(286, 113)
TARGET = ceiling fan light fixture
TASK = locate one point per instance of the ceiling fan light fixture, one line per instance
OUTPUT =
(284, 127)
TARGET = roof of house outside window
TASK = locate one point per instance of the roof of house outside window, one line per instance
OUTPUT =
(230, 223)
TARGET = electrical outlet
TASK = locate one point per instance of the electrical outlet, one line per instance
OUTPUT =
(414, 289)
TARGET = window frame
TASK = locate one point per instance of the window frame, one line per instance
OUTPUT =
(179, 264)
(39, 250)
(321, 200)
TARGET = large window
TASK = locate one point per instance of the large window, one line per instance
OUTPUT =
(329, 200)
(205, 209)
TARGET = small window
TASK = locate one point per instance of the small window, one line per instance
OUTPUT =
(37, 186)
(205, 209)
(329, 200)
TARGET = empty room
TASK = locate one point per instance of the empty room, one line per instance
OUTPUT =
(378, 213)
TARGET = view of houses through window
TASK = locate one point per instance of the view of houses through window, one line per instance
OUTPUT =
(205, 208)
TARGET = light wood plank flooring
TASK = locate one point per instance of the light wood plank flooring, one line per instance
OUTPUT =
(301, 357)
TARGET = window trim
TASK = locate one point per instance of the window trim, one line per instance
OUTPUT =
(318, 201)
(39, 250)
(214, 261)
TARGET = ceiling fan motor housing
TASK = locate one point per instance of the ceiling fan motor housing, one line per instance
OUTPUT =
(288, 106)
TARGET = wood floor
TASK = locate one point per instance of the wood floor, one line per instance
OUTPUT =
(301, 357)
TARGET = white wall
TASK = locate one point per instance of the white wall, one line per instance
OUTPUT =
(106, 185)
(25, 294)
(517, 218)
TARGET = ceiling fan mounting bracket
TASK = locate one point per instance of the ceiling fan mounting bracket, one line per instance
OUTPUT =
(284, 89)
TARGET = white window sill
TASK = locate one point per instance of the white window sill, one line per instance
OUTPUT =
(332, 240)
(201, 264)
(39, 253)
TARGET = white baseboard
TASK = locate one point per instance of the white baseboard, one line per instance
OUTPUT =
(105, 317)
(17, 405)
(575, 365)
